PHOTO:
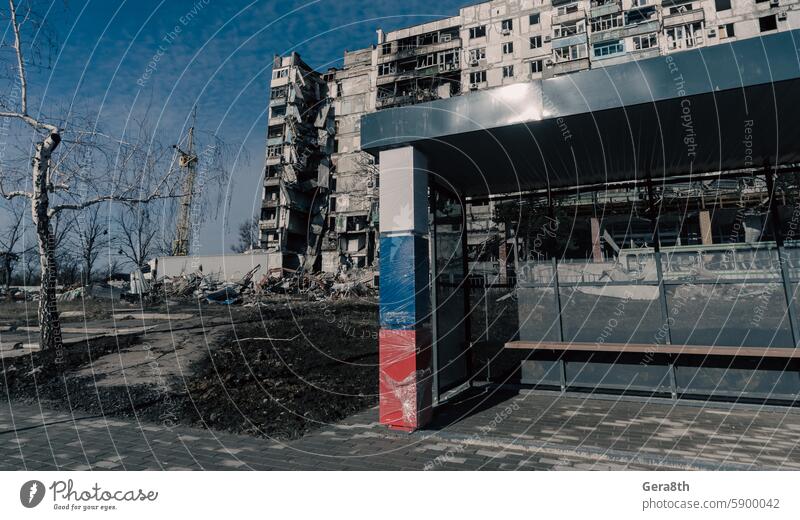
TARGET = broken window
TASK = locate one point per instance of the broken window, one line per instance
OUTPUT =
(722, 5)
(356, 223)
(566, 9)
(280, 73)
(569, 29)
(536, 42)
(726, 31)
(275, 131)
(570, 52)
(534, 19)
(275, 150)
(269, 214)
(426, 61)
(640, 15)
(508, 71)
(386, 48)
(646, 41)
(477, 77)
(536, 66)
(508, 48)
(477, 54)
(387, 68)
(278, 111)
(278, 92)
(477, 32)
(767, 23)
(271, 193)
(507, 25)
(604, 23)
(678, 9)
(685, 36)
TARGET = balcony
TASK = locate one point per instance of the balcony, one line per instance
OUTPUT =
(454, 43)
(565, 67)
(617, 33)
(277, 101)
(406, 99)
(268, 224)
(695, 15)
(558, 19)
(572, 39)
(274, 160)
(604, 9)
(420, 72)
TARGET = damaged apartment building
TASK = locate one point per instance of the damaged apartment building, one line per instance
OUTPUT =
(297, 173)
(320, 196)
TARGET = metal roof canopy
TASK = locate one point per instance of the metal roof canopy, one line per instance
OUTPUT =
(724, 107)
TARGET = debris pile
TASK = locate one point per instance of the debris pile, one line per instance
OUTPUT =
(317, 286)
(312, 286)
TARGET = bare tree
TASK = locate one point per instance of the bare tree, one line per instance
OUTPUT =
(70, 181)
(248, 236)
(88, 240)
(10, 240)
(137, 234)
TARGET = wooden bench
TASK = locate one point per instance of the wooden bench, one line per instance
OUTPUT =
(655, 348)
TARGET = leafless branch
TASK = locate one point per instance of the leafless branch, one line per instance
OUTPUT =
(112, 198)
(23, 82)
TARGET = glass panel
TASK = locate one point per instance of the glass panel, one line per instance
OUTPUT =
(538, 315)
(540, 372)
(738, 382)
(618, 376)
(721, 263)
(733, 315)
(611, 301)
(451, 288)
(611, 313)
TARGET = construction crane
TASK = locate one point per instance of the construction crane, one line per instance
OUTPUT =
(187, 160)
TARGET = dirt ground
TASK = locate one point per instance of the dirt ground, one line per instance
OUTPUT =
(276, 370)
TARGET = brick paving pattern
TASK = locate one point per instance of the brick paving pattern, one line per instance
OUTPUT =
(484, 430)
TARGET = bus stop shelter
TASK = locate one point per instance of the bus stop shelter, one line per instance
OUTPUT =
(722, 110)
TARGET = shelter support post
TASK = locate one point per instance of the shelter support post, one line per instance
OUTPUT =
(705, 228)
(597, 252)
(405, 342)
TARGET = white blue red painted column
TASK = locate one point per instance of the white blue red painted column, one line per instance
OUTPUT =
(406, 390)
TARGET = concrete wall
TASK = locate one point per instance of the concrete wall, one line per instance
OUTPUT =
(229, 267)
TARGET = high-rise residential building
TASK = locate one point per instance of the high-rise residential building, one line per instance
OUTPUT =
(320, 189)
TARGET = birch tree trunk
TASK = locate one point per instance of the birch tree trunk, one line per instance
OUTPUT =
(49, 324)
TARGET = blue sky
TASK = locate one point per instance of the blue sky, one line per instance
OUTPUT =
(117, 57)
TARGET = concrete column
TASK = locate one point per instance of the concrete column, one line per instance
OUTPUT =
(597, 252)
(502, 253)
(406, 389)
(705, 228)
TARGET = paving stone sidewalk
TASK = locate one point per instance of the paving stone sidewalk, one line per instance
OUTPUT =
(488, 430)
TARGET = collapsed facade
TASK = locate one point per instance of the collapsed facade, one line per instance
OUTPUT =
(320, 189)
(297, 173)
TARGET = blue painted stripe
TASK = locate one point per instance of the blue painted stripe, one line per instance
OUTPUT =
(404, 291)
